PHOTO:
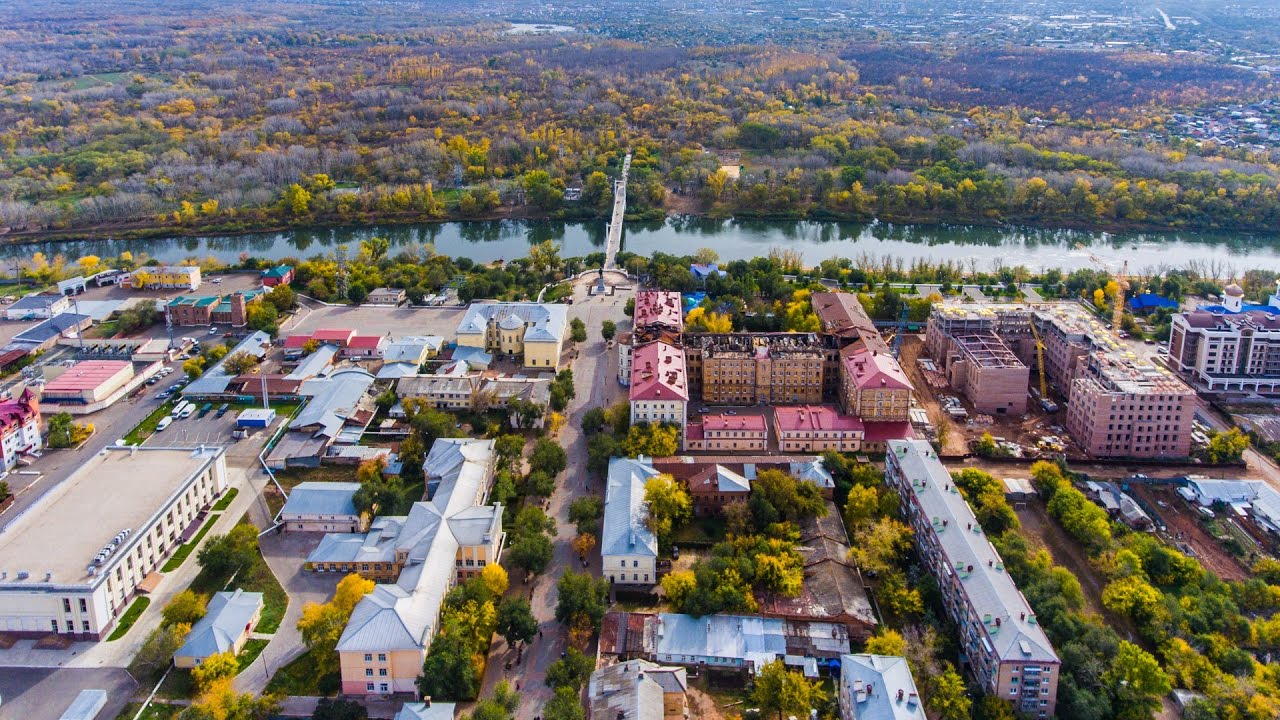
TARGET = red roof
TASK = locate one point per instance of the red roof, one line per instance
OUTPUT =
(13, 413)
(295, 342)
(659, 307)
(734, 422)
(693, 431)
(334, 335)
(792, 418)
(872, 369)
(86, 375)
(365, 342)
(658, 373)
(885, 431)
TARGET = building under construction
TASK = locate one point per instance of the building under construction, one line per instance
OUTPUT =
(770, 368)
(1118, 404)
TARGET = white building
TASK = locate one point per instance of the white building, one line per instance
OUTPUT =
(1233, 347)
(628, 548)
(37, 307)
(322, 507)
(72, 563)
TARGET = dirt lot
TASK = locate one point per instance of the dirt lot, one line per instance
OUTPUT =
(1185, 532)
(368, 320)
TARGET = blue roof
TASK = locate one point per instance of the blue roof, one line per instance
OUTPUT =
(1151, 301)
(51, 328)
(1244, 308)
(625, 531)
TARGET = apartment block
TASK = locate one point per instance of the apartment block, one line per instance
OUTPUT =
(1121, 410)
(659, 385)
(19, 428)
(1232, 348)
(72, 563)
(765, 368)
(1001, 643)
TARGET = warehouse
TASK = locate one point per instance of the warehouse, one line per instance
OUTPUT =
(88, 382)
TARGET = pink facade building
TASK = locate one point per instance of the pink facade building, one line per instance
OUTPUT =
(816, 428)
(733, 433)
(19, 428)
(659, 385)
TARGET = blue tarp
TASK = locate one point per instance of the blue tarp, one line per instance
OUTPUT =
(1147, 302)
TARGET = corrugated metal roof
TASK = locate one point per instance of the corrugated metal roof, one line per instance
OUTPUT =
(872, 683)
(228, 615)
(624, 529)
(322, 498)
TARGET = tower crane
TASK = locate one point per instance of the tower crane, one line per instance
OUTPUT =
(1122, 279)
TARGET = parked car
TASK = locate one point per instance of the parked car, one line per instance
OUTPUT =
(165, 422)
(222, 410)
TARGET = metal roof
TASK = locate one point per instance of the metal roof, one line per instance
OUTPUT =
(425, 711)
(544, 322)
(1008, 622)
(872, 683)
(229, 613)
(745, 638)
(624, 529)
(633, 689)
(334, 399)
(322, 498)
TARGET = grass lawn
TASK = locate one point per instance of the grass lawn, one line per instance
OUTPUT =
(257, 577)
(148, 426)
(252, 649)
(130, 617)
(184, 550)
(300, 678)
(701, 531)
(225, 502)
(155, 711)
(289, 479)
(177, 685)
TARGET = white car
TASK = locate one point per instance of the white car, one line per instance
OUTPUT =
(165, 422)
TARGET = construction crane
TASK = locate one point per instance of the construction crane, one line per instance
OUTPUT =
(1122, 279)
(902, 330)
(1045, 402)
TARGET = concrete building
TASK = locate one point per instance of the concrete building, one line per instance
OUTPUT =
(1118, 409)
(225, 628)
(727, 433)
(87, 382)
(873, 386)
(534, 331)
(1002, 644)
(37, 307)
(659, 385)
(46, 334)
(449, 538)
(877, 687)
(196, 310)
(768, 368)
(626, 345)
(983, 368)
(628, 548)
(638, 690)
(168, 277)
(72, 563)
(1232, 348)
(385, 296)
(816, 428)
(19, 428)
(322, 507)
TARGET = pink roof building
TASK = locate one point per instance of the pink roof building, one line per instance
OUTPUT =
(658, 373)
(876, 370)
(816, 428)
(659, 307)
(873, 386)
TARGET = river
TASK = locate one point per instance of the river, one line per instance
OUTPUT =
(974, 247)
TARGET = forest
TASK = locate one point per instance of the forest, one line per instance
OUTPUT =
(237, 117)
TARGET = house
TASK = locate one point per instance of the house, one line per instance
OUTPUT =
(534, 331)
(322, 507)
(427, 710)
(225, 628)
(37, 307)
(729, 433)
(659, 391)
(385, 296)
(19, 428)
(628, 548)
(403, 356)
(638, 690)
(715, 486)
(816, 428)
(1144, 303)
(877, 687)
(278, 275)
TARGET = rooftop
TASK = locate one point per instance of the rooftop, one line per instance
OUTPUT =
(86, 375)
(659, 307)
(226, 618)
(986, 349)
(34, 302)
(1009, 624)
(543, 322)
(114, 490)
(322, 498)
(842, 314)
(51, 328)
(624, 529)
(880, 687)
(633, 690)
(797, 418)
(720, 421)
(873, 370)
(658, 373)
(759, 345)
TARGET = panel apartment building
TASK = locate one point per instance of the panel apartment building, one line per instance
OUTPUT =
(73, 562)
(1001, 643)
(1117, 405)
(1229, 348)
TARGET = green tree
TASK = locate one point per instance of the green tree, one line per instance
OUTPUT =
(449, 672)
(1137, 682)
(283, 298)
(585, 512)
(357, 293)
(542, 190)
(224, 554)
(785, 692)
(577, 330)
(608, 329)
(669, 506)
(570, 671)
(240, 362)
(339, 709)
(564, 705)
(515, 621)
(60, 425)
(530, 552)
(548, 457)
(593, 421)
(776, 496)
(263, 316)
(502, 706)
(581, 599)
(185, 607)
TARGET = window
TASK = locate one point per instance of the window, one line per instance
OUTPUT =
(368, 657)
(368, 686)
(54, 624)
(85, 624)
(382, 657)
(382, 672)
(66, 604)
(384, 685)
(368, 672)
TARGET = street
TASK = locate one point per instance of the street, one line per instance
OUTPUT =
(595, 380)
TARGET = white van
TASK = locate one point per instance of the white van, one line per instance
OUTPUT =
(187, 411)
(1205, 513)
(177, 409)
(165, 422)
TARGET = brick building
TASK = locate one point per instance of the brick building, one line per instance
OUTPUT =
(733, 433)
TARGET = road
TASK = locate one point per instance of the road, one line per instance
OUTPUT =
(595, 379)
(619, 212)
(56, 465)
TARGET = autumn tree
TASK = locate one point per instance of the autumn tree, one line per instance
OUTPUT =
(322, 624)
(785, 692)
(669, 506)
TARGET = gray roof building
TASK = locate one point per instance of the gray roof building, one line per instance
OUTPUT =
(322, 498)
(226, 620)
(426, 711)
(878, 687)
(624, 531)
(216, 379)
(634, 690)
(543, 322)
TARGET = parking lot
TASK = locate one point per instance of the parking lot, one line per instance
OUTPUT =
(368, 320)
